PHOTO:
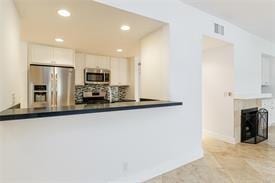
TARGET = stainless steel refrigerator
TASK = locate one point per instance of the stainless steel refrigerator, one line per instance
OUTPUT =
(51, 86)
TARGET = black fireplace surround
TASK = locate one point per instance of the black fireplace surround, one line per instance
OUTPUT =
(254, 125)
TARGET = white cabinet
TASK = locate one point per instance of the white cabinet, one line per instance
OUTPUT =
(266, 71)
(79, 68)
(119, 68)
(40, 54)
(63, 56)
(46, 55)
(95, 61)
(123, 72)
(119, 71)
(115, 71)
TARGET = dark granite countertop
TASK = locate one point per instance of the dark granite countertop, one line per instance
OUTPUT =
(15, 114)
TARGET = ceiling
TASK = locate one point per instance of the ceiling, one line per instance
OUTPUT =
(255, 16)
(91, 28)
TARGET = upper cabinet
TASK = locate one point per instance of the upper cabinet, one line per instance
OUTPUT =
(266, 70)
(80, 64)
(95, 61)
(119, 68)
(63, 56)
(39, 54)
(124, 71)
(115, 76)
(46, 55)
(119, 71)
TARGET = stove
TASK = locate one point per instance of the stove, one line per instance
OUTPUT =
(95, 98)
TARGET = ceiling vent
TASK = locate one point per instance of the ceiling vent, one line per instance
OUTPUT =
(219, 29)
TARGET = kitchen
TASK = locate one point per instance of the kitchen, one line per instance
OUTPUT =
(114, 141)
(67, 66)
(80, 57)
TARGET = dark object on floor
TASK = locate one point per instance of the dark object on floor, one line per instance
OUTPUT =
(254, 125)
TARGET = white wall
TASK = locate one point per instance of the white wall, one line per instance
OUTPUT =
(187, 25)
(1, 85)
(12, 70)
(1, 151)
(129, 146)
(154, 54)
(218, 80)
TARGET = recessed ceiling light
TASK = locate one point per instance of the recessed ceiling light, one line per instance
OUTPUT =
(59, 40)
(119, 50)
(64, 13)
(125, 27)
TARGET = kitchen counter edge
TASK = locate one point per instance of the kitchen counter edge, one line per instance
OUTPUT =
(29, 113)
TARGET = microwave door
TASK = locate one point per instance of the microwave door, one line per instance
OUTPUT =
(65, 84)
(94, 78)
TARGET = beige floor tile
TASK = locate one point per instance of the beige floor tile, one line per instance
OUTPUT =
(227, 163)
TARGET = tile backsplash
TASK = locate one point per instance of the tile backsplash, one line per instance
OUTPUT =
(118, 92)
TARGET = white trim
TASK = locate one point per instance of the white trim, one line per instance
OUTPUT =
(207, 133)
(249, 96)
(159, 170)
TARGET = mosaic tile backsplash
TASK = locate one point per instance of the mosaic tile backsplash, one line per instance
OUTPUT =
(118, 92)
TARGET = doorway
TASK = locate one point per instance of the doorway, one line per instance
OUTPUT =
(217, 89)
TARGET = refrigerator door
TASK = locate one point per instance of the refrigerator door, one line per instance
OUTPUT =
(41, 86)
(65, 86)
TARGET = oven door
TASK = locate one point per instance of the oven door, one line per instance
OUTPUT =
(94, 78)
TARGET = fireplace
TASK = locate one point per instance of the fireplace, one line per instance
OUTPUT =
(254, 125)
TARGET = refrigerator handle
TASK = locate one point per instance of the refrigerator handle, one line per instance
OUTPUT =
(56, 82)
(52, 97)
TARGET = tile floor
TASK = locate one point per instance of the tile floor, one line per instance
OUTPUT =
(223, 162)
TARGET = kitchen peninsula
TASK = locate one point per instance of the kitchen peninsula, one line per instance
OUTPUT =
(15, 114)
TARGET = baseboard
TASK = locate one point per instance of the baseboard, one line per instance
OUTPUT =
(218, 136)
(159, 170)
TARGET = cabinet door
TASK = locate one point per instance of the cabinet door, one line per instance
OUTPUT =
(91, 61)
(115, 66)
(123, 72)
(103, 62)
(63, 57)
(40, 54)
(79, 68)
(266, 71)
(95, 61)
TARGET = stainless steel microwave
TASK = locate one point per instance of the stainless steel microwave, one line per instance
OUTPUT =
(97, 76)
